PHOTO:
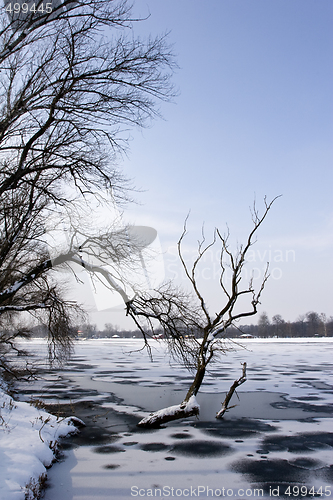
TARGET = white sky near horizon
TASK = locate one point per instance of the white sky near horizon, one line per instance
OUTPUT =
(253, 117)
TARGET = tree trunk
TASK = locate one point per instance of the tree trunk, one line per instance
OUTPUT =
(196, 384)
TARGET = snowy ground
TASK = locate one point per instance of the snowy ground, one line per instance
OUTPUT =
(28, 442)
(277, 441)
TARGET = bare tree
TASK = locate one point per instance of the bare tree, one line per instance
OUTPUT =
(71, 82)
(263, 325)
(315, 324)
(193, 333)
(279, 326)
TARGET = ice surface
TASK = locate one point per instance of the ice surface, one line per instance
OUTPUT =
(287, 398)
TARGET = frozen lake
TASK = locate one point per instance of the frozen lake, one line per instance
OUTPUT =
(277, 441)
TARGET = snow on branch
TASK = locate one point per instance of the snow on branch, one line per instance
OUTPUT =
(185, 409)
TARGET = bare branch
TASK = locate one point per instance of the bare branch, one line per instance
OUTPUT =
(237, 383)
(192, 275)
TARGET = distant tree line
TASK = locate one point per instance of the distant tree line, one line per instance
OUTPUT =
(310, 324)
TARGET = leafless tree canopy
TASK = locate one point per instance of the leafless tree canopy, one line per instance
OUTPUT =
(71, 83)
(66, 92)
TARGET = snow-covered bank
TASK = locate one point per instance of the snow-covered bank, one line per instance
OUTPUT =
(28, 443)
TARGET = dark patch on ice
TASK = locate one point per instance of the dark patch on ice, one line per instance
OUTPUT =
(97, 420)
(154, 447)
(271, 471)
(108, 449)
(278, 477)
(287, 404)
(57, 386)
(27, 391)
(312, 368)
(65, 445)
(80, 408)
(298, 443)
(234, 428)
(130, 443)
(306, 463)
(169, 458)
(151, 383)
(77, 391)
(111, 466)
(128, 381)
(326, 474)
(143, 430)
(317, 384)
(181, 435)
(309, 398)
(101, 423)
(77, 359)
(201, 449)
(307, 419)
(78, 367)
(101, 373)
(93, 435)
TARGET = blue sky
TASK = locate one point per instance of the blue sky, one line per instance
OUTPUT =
(253, 117)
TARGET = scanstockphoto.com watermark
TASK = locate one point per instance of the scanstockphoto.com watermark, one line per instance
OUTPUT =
(213, 273)
(210, 269)
(291, 491)
(273, 255)
(193, 492)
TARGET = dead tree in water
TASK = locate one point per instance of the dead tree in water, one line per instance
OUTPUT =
(193, 333)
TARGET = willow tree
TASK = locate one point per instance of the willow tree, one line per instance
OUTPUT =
(73, 78)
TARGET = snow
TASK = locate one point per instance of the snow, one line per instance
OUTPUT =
(28, 442)
(210, 337)
(13, 288)
(191, 405)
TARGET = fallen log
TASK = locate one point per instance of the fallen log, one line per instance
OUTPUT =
(185, 409)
